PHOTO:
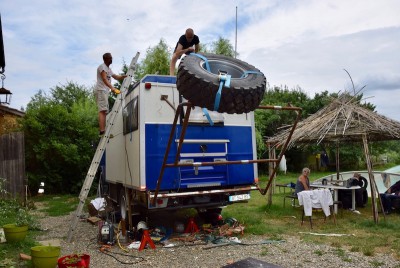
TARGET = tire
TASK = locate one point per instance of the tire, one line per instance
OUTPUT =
(200, 86)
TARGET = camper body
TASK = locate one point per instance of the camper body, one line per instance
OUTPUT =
(138, 141)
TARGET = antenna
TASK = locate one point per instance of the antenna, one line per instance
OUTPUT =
(236, 35)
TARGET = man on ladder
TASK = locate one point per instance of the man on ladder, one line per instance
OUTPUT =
(104, 139)
(103, 87)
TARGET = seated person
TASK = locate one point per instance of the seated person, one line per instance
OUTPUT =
(303, 182)
(346, 195)
(392, 193)
(362, 182)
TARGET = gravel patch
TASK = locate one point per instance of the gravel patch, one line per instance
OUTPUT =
(293, 252)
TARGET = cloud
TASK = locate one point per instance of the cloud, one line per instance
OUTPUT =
(304, 43)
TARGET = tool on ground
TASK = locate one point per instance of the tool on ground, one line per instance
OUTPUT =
(107, 233)
(146, 239)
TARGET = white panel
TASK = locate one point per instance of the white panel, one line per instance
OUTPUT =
(115, 164)
(131, 149)
(155, 109)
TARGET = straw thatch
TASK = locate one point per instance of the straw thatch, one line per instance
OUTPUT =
(342, 120)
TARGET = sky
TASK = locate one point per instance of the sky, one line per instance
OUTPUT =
(305, 44)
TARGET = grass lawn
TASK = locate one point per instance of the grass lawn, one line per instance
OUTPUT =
(273, 221)
(276, 221)
(52, 206)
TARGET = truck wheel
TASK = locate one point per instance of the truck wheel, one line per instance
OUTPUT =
(200, 86)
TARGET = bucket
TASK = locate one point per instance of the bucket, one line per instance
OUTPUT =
(45, 256)
(74, 260)
(15, 233)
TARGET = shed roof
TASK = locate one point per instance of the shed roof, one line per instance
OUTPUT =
(8, 110)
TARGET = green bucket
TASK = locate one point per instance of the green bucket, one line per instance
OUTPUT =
(15, 233)
(45, 256)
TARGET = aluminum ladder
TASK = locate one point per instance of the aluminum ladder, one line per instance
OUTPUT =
(101, 147)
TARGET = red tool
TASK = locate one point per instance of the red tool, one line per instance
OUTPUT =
(191, 227)
(146, 239)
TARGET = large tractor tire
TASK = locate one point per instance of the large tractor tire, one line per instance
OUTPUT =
(200, 86)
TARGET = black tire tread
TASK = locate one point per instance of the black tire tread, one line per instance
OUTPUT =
(194, 86)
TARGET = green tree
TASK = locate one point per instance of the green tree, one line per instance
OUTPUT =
(222, 47)
(156, 61)
(59, 131)
(67, 95)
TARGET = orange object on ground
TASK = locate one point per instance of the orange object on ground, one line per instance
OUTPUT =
(146, 239)
(191, 227)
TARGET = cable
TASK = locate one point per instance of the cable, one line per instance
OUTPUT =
(119, 244)
(105, 251)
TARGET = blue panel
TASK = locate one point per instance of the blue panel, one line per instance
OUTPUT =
(159, 79)
(239, 148)
(155, 145)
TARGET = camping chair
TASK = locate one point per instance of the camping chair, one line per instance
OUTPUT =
(293, 197)
(320, 199)
(310, 217)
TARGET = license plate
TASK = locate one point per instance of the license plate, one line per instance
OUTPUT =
(239, 197)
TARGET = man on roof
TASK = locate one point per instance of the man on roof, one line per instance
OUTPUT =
(184, 46)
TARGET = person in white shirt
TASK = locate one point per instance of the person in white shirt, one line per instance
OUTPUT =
(103, 87)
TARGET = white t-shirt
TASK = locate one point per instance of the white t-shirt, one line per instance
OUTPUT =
(100, 84)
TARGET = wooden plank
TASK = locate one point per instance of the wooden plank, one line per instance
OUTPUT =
(12, 162)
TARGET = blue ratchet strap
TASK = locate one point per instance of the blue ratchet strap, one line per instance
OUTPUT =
(207, 115)
(249, 72)
(225, 79)
(203, 58)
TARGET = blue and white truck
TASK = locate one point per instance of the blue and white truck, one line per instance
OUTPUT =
(136, 153)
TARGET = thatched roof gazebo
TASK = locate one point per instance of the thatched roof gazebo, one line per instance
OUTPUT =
(342, 121)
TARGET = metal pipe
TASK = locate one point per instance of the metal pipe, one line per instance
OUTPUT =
(218, 163)
(171, 137)
(183, 131)
(215, 191)
(236, 36)
(298, 112)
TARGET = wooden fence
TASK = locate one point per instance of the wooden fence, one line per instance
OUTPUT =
(12, 163)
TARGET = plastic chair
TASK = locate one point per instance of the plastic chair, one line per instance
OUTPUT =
(318, 209)
(292, 197)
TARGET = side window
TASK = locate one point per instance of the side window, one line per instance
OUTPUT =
(130, 116)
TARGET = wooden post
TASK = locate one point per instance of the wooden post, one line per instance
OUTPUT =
(337, 160)
(371, 179)
(130, 206)
(271, 166)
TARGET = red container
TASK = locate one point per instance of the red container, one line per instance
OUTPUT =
(74, 260)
